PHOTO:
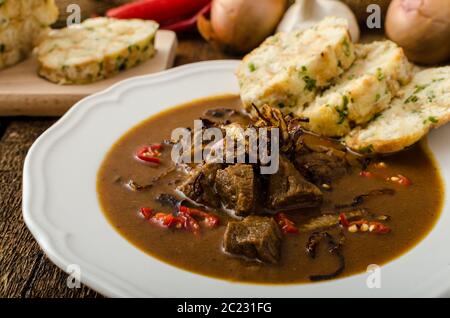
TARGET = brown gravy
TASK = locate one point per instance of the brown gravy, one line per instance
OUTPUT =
(413, 210)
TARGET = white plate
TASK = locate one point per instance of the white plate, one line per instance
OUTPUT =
(61, 209)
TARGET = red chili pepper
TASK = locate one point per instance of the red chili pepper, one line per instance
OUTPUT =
(186, 24)
(150, 153)
(210, 220)
(146, 213)
(158, 10)
(166, 220)
(379, 227)
(285, 223)
(190, 223)
(404, 181)
(343, 220)
(366, 174)
(373, 226)
(399, 179)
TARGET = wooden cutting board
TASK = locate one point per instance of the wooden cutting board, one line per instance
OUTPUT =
(23, 92)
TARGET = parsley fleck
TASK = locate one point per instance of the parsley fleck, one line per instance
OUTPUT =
(411, 99)
(310, 83)
(347, 50)
(377, 97)
(433, 119)
(380, 75)
(419, 88)
(367, 149)
(431, 96)
(251, 67)
(343, 112)
(377, 115)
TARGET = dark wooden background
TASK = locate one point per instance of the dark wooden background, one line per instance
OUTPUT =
(25, 271)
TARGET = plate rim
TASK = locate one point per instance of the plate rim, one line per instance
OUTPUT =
(80, 109)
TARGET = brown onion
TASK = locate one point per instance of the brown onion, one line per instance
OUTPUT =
(421, 28)
(241, 25)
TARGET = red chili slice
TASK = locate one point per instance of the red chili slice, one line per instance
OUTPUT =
(190, 223)
(146, 213)
(366, 174)
(211, 220)
(168, 220)
(399, 179)
(150, 153)
(404, 181)
(379, 227)
(343, 220)
(287, 226)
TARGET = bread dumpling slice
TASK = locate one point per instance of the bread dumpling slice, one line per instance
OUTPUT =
(362, 92)
(95, 49)
(287, 70)
(422, 105)
(22, 22)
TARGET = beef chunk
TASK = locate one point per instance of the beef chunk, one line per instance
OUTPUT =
(236, 186)
(321, 168)
(199, 185)
(289, 189)
(255, 237)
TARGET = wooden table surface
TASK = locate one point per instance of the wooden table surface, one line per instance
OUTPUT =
(25, 271)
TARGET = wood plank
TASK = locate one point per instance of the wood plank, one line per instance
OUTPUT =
(24, 269)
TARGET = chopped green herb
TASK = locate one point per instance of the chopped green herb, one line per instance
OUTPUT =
(344, 101)
(411, 99)
(343, 110)
(377, 97)
(437, 80)
(2, 2)
(431, 96)
(251, 67)
(419, 88)
(304, 69)
(377, 115)
(347, 50)
(121, 63)
(380, 75)
(310, 83)
(433, 119)
(281, 105)
(367, 149)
